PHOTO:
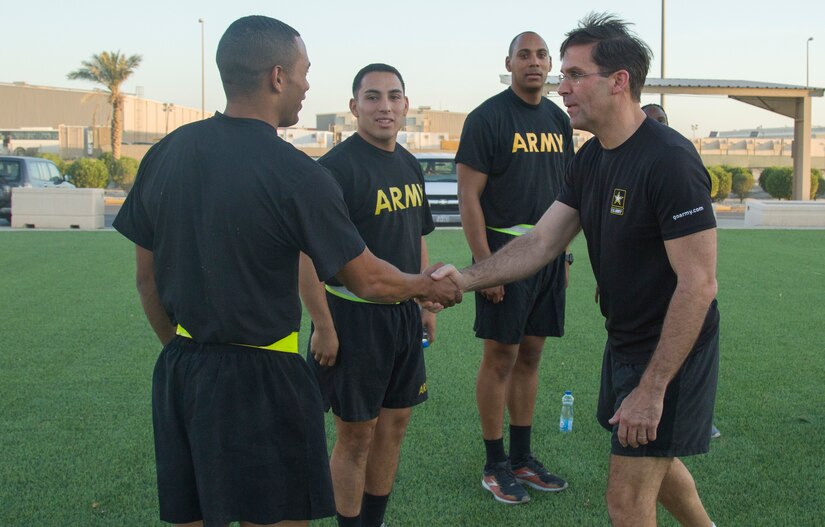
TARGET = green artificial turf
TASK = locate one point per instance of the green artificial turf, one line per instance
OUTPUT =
(77, 359)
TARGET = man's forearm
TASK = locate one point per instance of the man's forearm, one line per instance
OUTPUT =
(313, 294)
(155, 313)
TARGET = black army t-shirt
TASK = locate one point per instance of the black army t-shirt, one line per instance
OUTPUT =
(630, 200)
(524, 149)
(225, 206)
(384, 192)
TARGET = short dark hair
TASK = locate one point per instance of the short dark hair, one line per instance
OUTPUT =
(250, 48)
(617, 48)
(371, 68)
(511, 49)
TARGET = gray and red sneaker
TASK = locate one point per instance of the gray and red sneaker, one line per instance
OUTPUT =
(499, 479)
(532, 473)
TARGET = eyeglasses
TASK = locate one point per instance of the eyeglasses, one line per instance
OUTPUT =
(576, 78)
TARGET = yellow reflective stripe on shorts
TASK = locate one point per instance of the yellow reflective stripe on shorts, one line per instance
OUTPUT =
(342, 292)
(515, 230)
(288, 344)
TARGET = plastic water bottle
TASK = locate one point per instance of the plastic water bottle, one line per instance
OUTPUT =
(566, 419)
(425, 338)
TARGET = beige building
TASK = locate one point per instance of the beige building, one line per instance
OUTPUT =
(422, 119)
(73, 112)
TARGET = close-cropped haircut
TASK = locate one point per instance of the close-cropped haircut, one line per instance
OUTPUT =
(250, 48)
(371, 68)
(617, 48)
(512, 48)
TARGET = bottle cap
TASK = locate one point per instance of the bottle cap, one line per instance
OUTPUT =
(568, 392)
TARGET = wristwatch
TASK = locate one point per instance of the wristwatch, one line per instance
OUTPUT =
(568, 258)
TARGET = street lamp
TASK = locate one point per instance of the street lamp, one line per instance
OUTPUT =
(693, 128)
(167, 108)
(662, 95)
(203, 75)
(808, 62)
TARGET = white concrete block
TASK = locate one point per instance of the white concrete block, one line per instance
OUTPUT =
(784, 213)
(57, 208)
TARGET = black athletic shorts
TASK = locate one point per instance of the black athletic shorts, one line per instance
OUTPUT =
(380, 361)
(684, 429)
(533, 306)
(239, 435)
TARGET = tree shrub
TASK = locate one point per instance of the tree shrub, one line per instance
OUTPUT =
(725, 180)
(109, 160)
(816, 183)
(123, 172)
(714, 184)
(779, 182)
(88, 173)
(742, 182)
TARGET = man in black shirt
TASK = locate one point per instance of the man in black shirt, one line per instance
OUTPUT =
(219, 213)
(512, 158)
(639, 192)
(370, 362)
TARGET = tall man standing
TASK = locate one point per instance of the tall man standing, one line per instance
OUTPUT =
(219, 213)
(370, 363)
(512, 157)
(639, 191)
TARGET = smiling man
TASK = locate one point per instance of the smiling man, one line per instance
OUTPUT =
(641, 195)
(513, 154)
(368, 357)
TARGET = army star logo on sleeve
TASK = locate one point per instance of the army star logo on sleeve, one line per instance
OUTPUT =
(617, 203)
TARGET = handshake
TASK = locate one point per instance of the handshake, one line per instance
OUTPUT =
(443, 289)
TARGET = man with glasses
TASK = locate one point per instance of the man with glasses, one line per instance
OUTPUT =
(641, 195)
(511, 161)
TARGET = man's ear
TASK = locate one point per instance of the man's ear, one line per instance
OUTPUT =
(621, 81)
(276, 79)
(507, 63)
(353, 107)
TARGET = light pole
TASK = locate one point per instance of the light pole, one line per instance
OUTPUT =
(662, 96)
(167, 108)
(203, 75)
(808, 62)
(693, 128)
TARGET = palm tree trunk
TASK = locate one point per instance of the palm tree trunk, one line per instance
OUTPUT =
(117, 124)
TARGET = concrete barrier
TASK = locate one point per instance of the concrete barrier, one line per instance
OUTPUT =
(784, 213)
(57, 208)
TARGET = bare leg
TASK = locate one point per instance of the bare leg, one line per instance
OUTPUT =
(348, 464)
(382, 463)
(491, 386)
(522, 386)
(287, 523)
(679, 496)
(632, 488)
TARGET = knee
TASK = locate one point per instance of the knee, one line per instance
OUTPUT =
(355, 441)
(499, 362)
(625, 508)
(529, 359)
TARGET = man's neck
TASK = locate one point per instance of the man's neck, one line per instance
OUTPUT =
(620, 126)
(249, 110)
(530, 97)
(386, 146)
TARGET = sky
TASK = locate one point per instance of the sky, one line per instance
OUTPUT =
(450, 53)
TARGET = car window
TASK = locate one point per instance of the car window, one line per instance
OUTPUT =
(39, 173)
(10, 170)
(53, 173)
(438, 169)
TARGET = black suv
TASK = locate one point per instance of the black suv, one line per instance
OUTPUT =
(19, 171)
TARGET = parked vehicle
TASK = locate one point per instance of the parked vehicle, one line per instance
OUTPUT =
(441, 186)
(19, 171)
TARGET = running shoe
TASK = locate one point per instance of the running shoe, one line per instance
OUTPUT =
(531, 472)
(714, 432)
(499, 480)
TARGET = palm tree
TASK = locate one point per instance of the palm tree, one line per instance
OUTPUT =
(110, 69)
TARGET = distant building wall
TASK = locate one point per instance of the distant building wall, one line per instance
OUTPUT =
(144, 120)
(423, 119)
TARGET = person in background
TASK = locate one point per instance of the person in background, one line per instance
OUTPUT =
(511, 161)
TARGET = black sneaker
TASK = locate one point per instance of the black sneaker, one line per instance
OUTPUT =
(499, 480)
(531, 472)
